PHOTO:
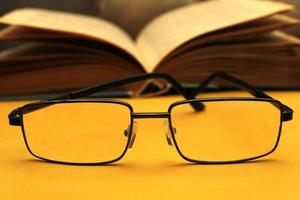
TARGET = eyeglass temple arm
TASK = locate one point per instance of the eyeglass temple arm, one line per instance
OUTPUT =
(287, 112)
(111, 84)
(14, 118)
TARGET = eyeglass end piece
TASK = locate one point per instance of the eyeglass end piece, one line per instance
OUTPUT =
(14, 118)
(198, 106)
(287, 115)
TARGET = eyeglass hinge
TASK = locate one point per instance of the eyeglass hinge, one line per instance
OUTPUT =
(287, 115)
(15, 118)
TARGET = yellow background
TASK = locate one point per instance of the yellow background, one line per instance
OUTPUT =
(151, 169)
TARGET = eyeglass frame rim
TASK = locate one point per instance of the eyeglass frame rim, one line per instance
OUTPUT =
(168, 116)
(53, 102)
(178, 103)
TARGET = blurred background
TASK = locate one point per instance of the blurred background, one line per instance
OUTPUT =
(131, 15)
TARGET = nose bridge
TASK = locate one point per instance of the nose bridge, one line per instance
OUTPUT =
(147, 115)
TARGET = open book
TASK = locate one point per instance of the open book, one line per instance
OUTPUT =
(63, 51)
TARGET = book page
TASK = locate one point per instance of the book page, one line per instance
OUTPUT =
(81, 25)
(172, 29)
(251, 58)
(238, 32)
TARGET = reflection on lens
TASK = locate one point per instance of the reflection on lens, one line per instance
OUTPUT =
(226, 130)
(78, 132)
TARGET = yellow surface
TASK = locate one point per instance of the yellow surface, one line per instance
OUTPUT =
(151, 169)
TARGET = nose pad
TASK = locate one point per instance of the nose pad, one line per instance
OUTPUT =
(168, 133)
(133, 134)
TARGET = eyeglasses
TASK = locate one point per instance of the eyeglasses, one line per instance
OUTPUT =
(208, 130)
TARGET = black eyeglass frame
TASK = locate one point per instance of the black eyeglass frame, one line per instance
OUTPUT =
(29, 107)
(16, 116)
(203, 100)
